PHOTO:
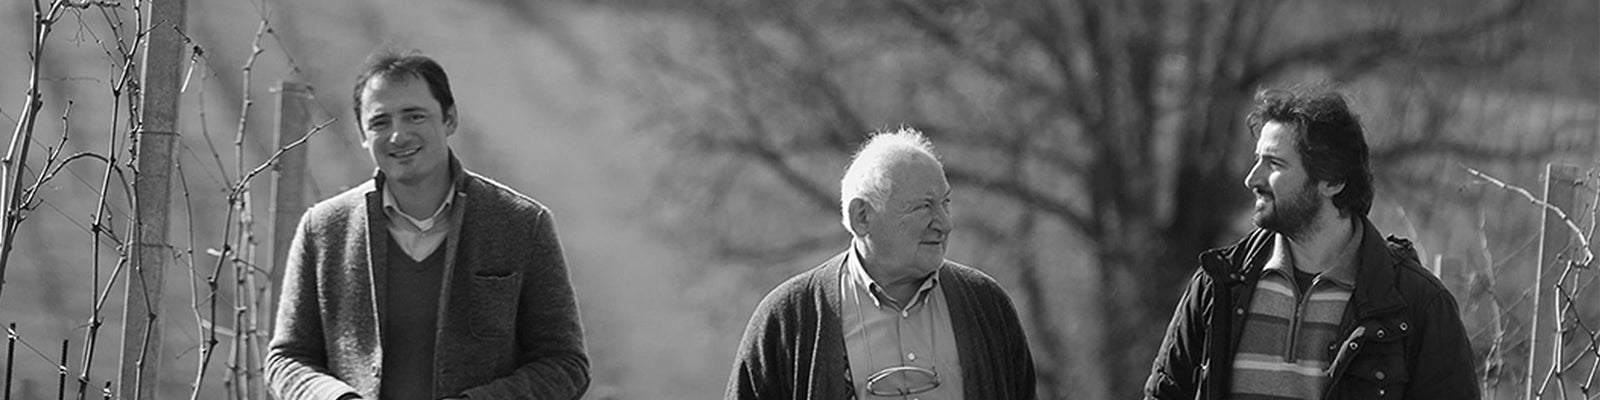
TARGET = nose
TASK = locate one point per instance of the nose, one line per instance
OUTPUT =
(941, 219)
(396, 136)
(1254, 179)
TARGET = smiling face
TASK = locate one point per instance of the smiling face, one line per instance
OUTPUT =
(908, 237)
(1287, 199)
(405, 130)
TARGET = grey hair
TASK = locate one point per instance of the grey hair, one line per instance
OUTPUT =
(867, 177)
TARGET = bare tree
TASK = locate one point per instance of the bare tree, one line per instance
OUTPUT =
(1119, 120)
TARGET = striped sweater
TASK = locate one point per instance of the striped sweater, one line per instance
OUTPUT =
(1291, 332)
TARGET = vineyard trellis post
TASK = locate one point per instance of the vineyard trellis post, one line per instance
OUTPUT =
(156, 135)
(1556, 246)
(289, 181)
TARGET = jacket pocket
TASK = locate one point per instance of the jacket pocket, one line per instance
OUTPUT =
(493, 306)
(1378, 372)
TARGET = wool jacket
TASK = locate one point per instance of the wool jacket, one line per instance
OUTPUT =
(793, 347)
(1402, 333)
(508, 324)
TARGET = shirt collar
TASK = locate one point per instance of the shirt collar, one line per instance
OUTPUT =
(857, 274)
(391, 206)
(1343, 274)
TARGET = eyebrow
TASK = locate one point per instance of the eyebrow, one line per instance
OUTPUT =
(1270, 157)
(376, 115)
(946, 196)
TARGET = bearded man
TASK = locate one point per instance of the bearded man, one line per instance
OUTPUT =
(1315, 304)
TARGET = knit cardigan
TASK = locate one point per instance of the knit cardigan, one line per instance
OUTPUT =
(508, 324)
(793, 347)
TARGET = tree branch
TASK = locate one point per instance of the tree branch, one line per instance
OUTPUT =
(790, 250)
(1023, 194)
(1583, 240)
(1363, 49)
(1468, 150)
(775, 161)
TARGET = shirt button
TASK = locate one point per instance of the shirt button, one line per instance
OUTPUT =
(911, 356)
(1381, 392)
(1378, 375)
(1239, 311)
(904, 314)
(1403, 326)
(1380, 334)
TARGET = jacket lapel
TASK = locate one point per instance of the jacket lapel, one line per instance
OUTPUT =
(1375, 293)
(830, 350)
(1233, 271)
(377, 249)
(461, 181)
(968, 341)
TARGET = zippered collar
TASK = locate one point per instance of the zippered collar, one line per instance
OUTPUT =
(1235, 269)
(1375, 275)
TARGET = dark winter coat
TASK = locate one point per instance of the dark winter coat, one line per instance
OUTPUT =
(1403, 337)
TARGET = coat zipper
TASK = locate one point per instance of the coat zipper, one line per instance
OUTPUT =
(1294, 322)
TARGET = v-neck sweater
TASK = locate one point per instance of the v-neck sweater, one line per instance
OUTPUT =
(412, 325)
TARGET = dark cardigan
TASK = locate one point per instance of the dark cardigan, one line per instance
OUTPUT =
(794, 348)
(508, 325)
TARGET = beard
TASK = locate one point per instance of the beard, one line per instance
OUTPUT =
(1289, 215)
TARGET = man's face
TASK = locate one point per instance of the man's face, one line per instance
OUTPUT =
(404, 129)
(1287, 200)
(907, 239)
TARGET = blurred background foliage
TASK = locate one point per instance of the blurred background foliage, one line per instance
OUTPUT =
(691, 149)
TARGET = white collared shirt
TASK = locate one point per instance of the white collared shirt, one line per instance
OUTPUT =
(880, 332)
(418, 237)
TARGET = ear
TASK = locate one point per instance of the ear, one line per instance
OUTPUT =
(1330, 189)
(450, 121)
(857, 213)
(365, 139)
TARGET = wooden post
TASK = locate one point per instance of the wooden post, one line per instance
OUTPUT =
(289, 179)
(61, 372)
(1555, 245)
(288, 202)
(11, 353)
(157, 126)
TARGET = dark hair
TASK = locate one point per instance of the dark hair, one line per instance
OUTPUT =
(402, 67)
(1330, 141)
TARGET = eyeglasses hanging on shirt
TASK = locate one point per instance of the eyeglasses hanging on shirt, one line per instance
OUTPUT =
(900, 380)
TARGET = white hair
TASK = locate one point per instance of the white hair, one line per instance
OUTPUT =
(867, 177)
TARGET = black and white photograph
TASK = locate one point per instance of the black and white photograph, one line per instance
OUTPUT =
(800, 199)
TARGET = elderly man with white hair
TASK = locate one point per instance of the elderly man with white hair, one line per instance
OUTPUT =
(889, 317)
